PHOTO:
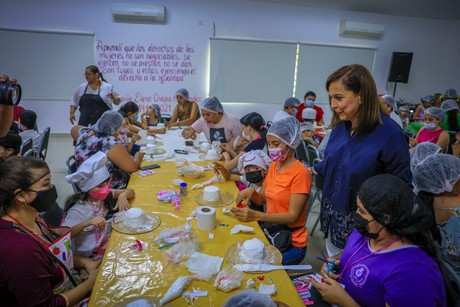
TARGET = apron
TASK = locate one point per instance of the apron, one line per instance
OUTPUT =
(59, 250)
(91, 108)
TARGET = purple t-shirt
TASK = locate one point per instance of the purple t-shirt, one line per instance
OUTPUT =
(405, 276)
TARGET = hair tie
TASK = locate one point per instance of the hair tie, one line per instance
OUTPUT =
(261, 127)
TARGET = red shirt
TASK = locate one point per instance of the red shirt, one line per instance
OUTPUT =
(319, 112)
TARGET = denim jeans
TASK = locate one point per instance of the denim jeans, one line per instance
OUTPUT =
(294, 255)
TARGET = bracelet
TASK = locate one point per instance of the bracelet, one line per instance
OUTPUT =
(66, 299)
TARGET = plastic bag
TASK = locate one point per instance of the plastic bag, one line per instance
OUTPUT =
(228, 279)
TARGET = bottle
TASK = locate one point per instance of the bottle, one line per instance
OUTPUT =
(190, 239)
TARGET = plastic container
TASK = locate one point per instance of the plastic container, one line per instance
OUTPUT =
(190, 238)
(183, 189)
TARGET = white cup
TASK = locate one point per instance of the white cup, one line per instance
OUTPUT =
(205, 147)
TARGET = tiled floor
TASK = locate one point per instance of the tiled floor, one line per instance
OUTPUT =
(61, 147)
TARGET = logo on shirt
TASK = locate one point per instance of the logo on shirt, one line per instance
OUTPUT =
(359, 274)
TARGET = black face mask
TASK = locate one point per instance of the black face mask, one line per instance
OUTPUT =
(254, 176)
(44, 200)
(361, 226)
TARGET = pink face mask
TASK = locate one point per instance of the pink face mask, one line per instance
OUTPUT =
(276, 154)
(100, 194)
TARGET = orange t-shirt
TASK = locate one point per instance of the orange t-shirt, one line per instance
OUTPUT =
(279, 186)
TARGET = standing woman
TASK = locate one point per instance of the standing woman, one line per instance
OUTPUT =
(186, 112)
(31, 271)
(285, 189)
(93, 97)
(364, 142)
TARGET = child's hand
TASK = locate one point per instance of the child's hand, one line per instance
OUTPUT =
(98, 221)
(122, 203)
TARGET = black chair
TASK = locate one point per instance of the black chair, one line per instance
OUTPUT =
(451, 141)
(26, 146)
(312, 154)
(29, 153)
(269, 123)
(44, 143)
(301, 153)
(72, 168)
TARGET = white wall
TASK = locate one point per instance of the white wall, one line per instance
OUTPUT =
(435, 43)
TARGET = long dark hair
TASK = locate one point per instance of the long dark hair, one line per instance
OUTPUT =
(16, 173)
(256, 122)
(358, 79)
(452, 122)
(95, 70)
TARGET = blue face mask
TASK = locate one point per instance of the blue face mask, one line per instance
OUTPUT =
(294, 113)
(429, 126)
(19, 127)
(309, 103)
(135, 118)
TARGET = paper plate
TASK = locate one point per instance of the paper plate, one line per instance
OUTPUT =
(271, 255)
(152, 300)
(224, 200)
(203, 157)
(154, 222)
(155, 151)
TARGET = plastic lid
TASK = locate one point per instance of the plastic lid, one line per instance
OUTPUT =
(183, 184)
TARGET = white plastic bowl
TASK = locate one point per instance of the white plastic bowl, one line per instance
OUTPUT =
(191, 171)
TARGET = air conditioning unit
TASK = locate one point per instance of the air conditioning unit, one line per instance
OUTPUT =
(129, 12)
(354, 29)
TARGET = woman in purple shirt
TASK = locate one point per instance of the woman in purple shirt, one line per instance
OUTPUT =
(390, 259)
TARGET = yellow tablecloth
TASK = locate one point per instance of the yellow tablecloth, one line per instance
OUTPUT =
(124, 274)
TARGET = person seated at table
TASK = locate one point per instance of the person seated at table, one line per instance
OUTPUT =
(250, 298)
(421, 152)
(10, 144)
(290, 107)
(131, 109)
(185, 113)
(86, 211)
(28, 122)
(455, 147)
(285, 190)
(253, 130)
(102, 136)
(253, 167)
(152, 116)
(404, 115)
(214, 123)
(307, 131)
(425, 103)
(432, 132)
(389, 106)
(452, 110)
(31, 273)
(390, 248)
(123, 136)
(437, 182)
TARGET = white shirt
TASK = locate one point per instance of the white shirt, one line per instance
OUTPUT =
(280, 115)
(105, 89)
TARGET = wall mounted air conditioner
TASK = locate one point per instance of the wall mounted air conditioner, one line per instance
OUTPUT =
(354, 29)
(129, 12)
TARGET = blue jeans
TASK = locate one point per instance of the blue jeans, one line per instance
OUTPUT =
(294, 255)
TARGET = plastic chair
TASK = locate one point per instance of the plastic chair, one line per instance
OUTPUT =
(301, 153)
(318, 182)
(29, 153)
(312, 154)
(72, 168)
(26, 146)
(44, 143)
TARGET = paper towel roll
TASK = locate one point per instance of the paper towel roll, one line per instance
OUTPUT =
(206, 218)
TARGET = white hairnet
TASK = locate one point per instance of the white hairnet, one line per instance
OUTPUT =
(291, 102)
(449, 105)
(254, 157)
(390, 101)
(183, 92)
(249, 298)
(157, 109)
(307, 126)
(436, 112)
(212, 104)
(423, 151)
(287, 130)
(109, 122)
(437, 174)
(428, 98)
(450, 93)
(308, 113)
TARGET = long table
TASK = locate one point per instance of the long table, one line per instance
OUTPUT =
(125, 275)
